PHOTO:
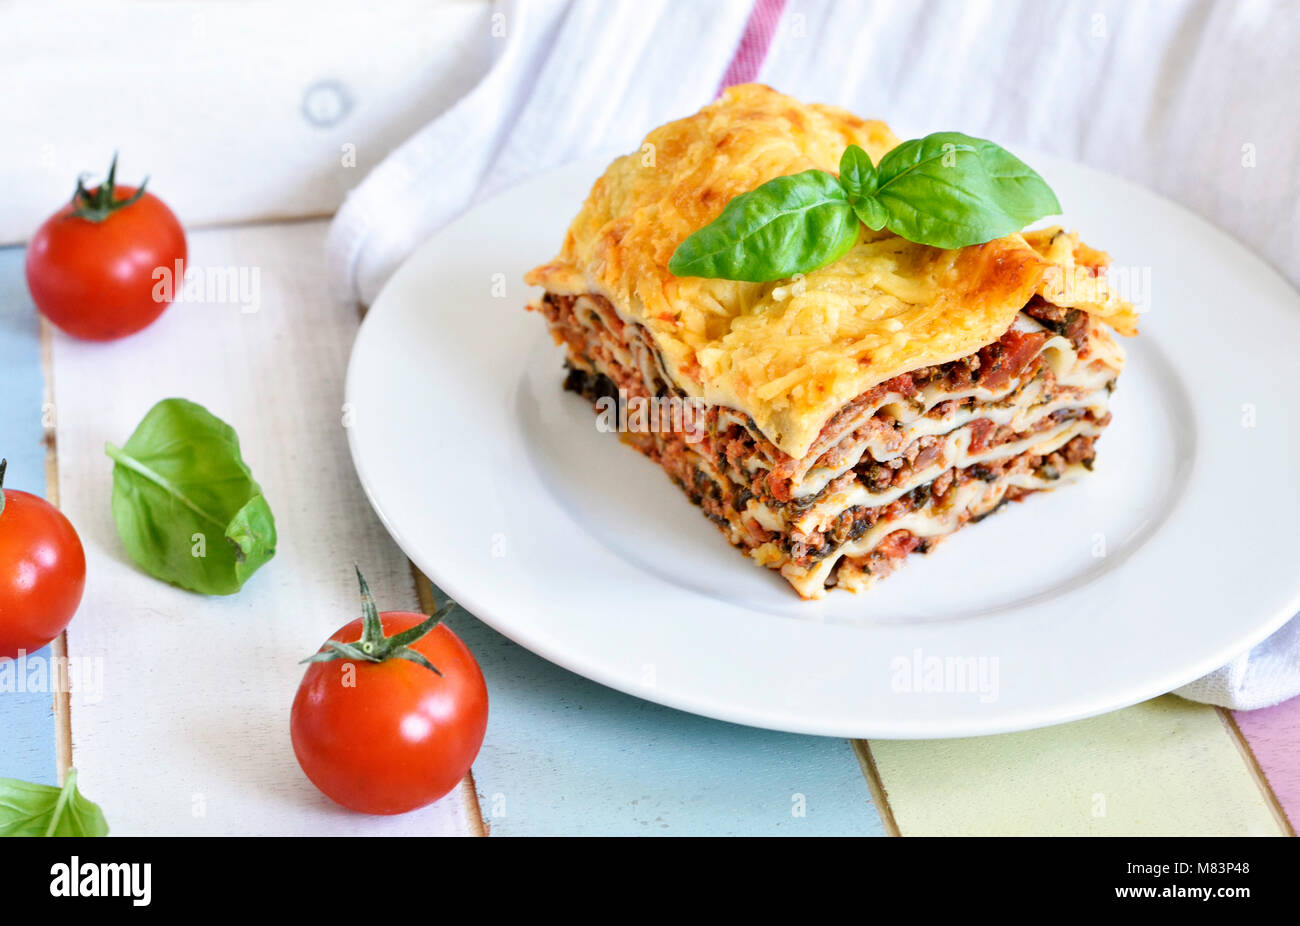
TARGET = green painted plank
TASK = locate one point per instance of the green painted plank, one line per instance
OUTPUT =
(1165, 767)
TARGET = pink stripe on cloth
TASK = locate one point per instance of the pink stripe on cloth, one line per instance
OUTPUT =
(754, 42)
(1273, 734)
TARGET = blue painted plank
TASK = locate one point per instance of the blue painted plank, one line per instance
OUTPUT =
(564, 755)
(26, 717)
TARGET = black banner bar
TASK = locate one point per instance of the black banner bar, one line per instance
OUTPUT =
(139, 876)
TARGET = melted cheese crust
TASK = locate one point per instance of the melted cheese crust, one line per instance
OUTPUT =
(789, 354)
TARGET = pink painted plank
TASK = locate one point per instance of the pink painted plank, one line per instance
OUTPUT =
(1273, 734)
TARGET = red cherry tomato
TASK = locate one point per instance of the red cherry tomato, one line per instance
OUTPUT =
(388, 737)
(42, 572)
(91, 266)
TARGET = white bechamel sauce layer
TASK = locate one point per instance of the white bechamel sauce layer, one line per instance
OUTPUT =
(955, 453)
(973, 498)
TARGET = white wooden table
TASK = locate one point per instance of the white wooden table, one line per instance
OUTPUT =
(191, 734)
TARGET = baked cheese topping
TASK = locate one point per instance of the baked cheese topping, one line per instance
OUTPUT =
(791, 353)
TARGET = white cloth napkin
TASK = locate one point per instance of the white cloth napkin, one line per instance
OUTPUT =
(568, 80)
(1262, 677)
(1192, 99)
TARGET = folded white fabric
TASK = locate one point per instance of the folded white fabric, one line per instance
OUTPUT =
(1178, 96)
(1267, 675)
(569, 79)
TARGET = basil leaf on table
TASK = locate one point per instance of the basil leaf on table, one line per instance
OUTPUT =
(951, 190)
(786, 226)
(28, 809)
(185, 503)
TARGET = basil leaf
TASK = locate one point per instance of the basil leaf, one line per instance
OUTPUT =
(857, 173)
(871, 213)
(947, 190)
(186, 505)
(951, 190)
(858, 177)
(788, 225)
(28, 809)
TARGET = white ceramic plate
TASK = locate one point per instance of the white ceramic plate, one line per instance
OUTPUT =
(1175, 555)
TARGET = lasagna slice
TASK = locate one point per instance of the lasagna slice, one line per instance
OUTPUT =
(833, 423)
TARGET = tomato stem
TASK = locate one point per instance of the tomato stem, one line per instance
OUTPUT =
(98, 204)
(374, 646)
(4, 464)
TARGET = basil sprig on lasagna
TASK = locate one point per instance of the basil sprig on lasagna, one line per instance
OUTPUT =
(947, 190)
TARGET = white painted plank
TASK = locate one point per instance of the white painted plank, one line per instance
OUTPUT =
(192, 732)
(237, 111)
